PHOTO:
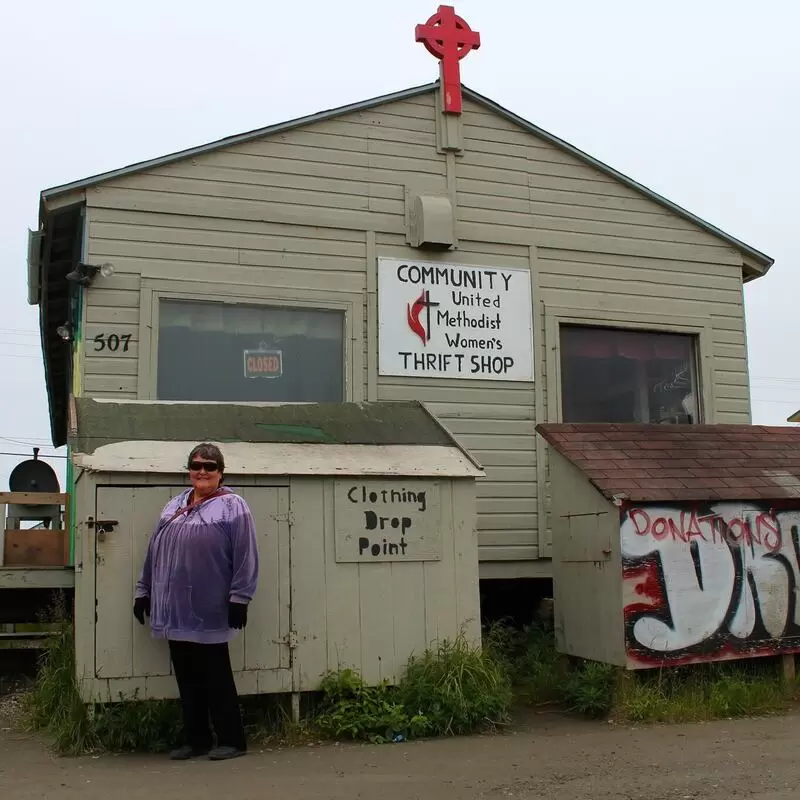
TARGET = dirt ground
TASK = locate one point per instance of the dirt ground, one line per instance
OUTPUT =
(543, 756)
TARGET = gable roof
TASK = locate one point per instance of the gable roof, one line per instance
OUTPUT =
(764, 261)
(668, 463)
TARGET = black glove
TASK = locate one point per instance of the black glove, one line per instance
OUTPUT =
(237, 615)
(141, 606)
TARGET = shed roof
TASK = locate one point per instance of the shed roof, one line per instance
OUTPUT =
(659, 463)
(759, 258)
(99, 422)
(401, 461)
(379, 439)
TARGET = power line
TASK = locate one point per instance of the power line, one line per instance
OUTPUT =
(33, 441)
(28, 455)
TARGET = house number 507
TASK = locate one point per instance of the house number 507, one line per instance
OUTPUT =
(112, 342)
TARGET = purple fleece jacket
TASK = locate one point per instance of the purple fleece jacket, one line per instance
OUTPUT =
(196, 564)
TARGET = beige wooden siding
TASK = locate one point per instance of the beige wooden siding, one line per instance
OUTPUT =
(289, 212)
(599, 246)
(112, 308)
(309, 210)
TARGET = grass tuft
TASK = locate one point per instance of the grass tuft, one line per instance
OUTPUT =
(679, 694)
(459, 687)
(530, 660)
(701, 692)
(54, 704)
(589, 688)
(142, 726)
(454, 688)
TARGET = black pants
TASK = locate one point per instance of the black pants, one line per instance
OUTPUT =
(206, 686)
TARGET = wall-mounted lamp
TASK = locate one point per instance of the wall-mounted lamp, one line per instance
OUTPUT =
(84, 274)
(65, 331)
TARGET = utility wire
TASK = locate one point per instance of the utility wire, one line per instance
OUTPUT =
(34, 440)
(41, 444)
(29, 455)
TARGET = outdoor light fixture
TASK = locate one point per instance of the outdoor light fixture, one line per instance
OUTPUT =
(84, 274)
(65, 331)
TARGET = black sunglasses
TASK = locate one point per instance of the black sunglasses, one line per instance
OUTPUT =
(208, 466)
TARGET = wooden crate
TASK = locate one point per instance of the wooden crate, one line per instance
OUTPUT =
(35, 547)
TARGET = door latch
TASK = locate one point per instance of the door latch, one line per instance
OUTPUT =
(103, 526)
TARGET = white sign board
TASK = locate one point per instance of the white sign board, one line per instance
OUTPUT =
(387, 520)
(454, 321)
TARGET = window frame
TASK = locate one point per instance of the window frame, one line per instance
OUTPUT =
(555, 317)
(262, 297)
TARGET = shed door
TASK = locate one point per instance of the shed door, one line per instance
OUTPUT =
(125, 649)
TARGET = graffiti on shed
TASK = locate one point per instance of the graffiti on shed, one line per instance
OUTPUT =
(709, 582)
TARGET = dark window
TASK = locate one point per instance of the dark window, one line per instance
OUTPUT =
(610, 375)
(225, 352)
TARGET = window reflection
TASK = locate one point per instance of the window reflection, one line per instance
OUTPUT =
(225, 353)
(611, 375)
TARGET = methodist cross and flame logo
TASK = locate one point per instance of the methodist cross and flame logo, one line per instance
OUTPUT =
(415, 310)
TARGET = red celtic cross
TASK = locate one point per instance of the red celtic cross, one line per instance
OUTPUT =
(448, 38)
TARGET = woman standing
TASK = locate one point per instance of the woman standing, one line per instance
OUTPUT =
(199, 575)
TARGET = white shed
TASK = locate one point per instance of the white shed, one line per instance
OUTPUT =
(366, 522)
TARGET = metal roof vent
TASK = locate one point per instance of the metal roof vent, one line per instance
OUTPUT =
(430, 222)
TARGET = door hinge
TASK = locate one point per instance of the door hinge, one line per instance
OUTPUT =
(290, 640)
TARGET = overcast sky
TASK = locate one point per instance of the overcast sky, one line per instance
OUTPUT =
(697, 99)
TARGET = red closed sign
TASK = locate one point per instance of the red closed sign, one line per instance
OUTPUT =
(263, 363)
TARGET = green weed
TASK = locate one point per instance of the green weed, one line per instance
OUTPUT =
(54, 705)
(132, 725)
(678, 694)
(701, 692)
(459, 687)
(530, 660)
(589, 688)
(453, 688)
(268, 722)
(354, 710)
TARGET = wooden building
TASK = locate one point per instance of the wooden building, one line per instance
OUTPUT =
(280, 252)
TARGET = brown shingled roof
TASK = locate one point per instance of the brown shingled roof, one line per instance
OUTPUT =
(683, 462)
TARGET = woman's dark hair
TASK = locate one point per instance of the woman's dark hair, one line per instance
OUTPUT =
(209, 451)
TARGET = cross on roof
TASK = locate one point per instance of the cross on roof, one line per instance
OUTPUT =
(448, 37)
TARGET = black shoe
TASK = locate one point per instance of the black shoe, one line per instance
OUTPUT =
(224, 753)
(186, 752)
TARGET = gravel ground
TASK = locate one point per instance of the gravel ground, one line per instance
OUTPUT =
(544, 755)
